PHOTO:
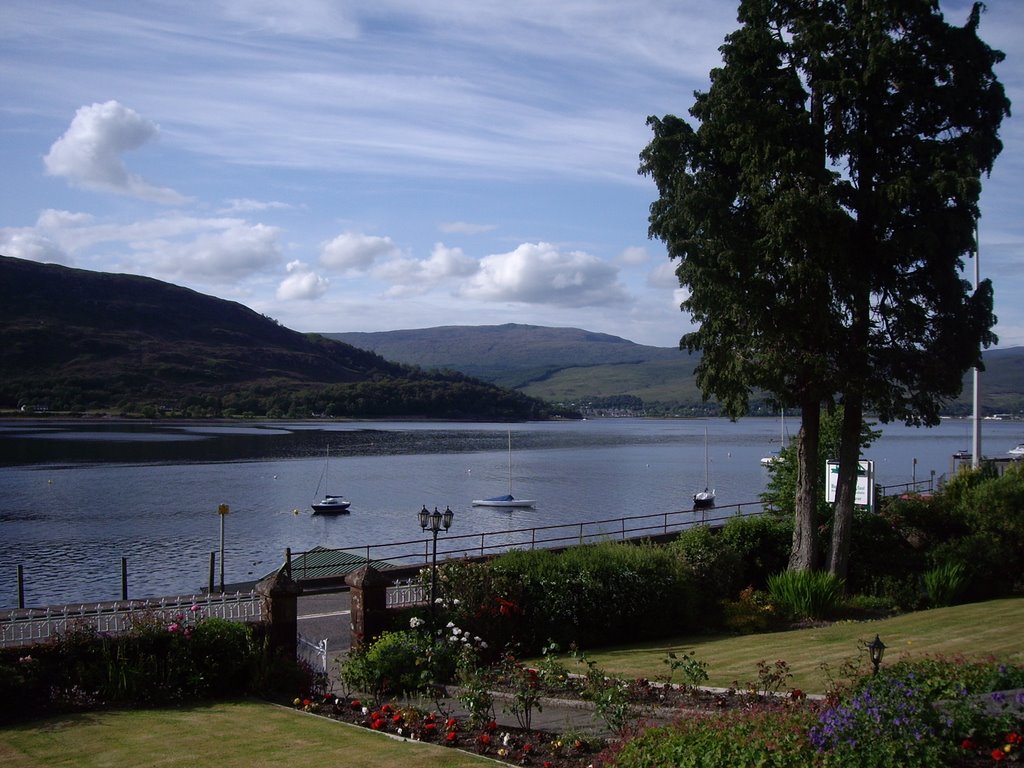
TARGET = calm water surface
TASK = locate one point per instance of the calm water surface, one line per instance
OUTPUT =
(76, 497)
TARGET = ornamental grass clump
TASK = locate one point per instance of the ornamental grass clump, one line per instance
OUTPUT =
(806, 594)
(945, 584)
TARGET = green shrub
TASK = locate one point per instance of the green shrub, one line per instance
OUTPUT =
(715, 569)
(531, 598)
(806, 594)
(762, 543)
(751, 612)
(945, 583)
(770, 737)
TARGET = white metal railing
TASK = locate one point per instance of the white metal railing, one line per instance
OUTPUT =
(25, 626)
(313, 653)
(405, 595)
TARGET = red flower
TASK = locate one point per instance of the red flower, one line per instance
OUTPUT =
(451, 724)
(485, 739)
(397, 717)
(356, 704)
(376, 724)
(527, 748)
(429, 727)
(548, 764)
(386, 709)
(451, 737)
(998, 755)
(491, 725)
(1014, 738)
(967, 744)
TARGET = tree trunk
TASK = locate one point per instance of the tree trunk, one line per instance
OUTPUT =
(846, 488)
(804, 553)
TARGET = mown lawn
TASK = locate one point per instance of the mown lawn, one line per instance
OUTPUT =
(989, 629)
(226, 735)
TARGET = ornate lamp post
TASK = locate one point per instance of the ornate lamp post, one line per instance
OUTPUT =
(434, 522)
(877, 649)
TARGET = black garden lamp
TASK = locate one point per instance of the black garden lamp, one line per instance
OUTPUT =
(434, 522)
(877, 649)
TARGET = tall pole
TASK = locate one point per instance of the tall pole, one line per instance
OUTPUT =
(976, 438)
(222, 510)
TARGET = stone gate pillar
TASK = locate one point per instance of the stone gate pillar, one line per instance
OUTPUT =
(368, 593)
(281, 611)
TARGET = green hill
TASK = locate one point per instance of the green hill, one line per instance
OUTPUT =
(608, 373)
(75, 340)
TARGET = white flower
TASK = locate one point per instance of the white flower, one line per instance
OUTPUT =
(456, 631)
(416, 621)
(365, 710)
(450, 624)
(483, 644)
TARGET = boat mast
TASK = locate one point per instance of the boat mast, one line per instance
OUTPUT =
(510, 462)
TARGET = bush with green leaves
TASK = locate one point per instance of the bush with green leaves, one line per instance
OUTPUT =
(762, 543)
(806, 594)
(158, 662)
(770, 735)
(531, 598)
(398, 663)
(945, 583)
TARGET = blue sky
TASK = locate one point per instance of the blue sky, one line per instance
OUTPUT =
(368, 166)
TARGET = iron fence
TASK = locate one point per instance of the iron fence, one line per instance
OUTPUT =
(416, 552)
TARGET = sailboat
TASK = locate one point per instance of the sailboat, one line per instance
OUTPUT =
(506, 500)
(767, 461)
(706, 498)
(329, 504)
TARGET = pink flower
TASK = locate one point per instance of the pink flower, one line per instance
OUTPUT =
(173, 627)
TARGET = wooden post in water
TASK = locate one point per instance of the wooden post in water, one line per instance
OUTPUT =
(222, 510)
(124, 578)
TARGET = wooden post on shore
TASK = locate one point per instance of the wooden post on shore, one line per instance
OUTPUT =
(21, 587)
(213, 565)
(124, 578)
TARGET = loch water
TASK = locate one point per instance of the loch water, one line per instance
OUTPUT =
(78, 496)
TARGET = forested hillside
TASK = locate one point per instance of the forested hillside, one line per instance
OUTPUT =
(75, 340)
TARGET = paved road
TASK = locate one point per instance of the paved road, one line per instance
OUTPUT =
(327, 616)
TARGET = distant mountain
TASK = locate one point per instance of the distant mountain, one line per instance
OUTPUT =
(582, 368)
(80, 340)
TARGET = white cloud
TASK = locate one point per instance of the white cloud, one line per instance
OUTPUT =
(634, 255)
(465, 228)
(354, 250)
(224, 256)
(89, 152)
(663, 275)
(52, 219)
(412, 276)
(246, 205)
(538, 273)
(302, 283)
(27, 243)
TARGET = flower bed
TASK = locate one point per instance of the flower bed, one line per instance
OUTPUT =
(516, 746)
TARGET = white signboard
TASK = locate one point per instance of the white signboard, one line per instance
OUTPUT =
(865, 494)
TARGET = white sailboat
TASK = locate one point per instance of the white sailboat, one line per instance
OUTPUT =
(767, 461)
(329, 504)
(706, 498)
(506, 500)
